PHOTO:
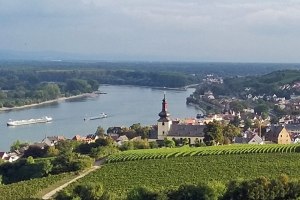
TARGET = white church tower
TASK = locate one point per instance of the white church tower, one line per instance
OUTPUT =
(164, 123)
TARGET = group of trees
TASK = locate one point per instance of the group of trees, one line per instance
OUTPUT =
(20, 87)
(260, 188)
(44, 91)
(39, 162)
(217, 133)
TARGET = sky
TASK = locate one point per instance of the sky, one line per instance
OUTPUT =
(154, 30)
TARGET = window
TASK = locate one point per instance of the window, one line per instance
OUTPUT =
(163, 123)
(163, 132)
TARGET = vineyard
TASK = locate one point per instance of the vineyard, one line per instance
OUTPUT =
(28, 189)
(201, 151)
(161, 174)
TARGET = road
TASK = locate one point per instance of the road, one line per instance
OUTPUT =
(97, 165)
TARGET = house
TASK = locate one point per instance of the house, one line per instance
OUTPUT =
(88, 139)
(3, 155)
(254, 139)
(9, 157)
(122, 139)
(278, 134)
(52, 140)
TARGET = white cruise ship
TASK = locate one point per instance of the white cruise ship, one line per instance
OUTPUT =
(29, 121)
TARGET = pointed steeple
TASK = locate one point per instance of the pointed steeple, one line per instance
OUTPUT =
(164, 114)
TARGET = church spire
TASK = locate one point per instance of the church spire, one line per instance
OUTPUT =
(164, 113)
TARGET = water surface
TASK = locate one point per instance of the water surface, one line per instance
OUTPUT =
(124, 105)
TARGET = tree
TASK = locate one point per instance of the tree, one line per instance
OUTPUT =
(191, 192)
(213, 133)
(35, 152)
(17, 145)
(30, 160)
(51, 151)
(103, 151)
(247, 124)
(142, 193)
(153, 144)
(100, 131)
(236, 121)
(89, 191)
(108, 141)
(185, 141)
(169, 143)
(261, 108)
(230, 131)
(237, 106)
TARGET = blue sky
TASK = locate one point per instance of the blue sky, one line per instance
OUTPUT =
(155, 30)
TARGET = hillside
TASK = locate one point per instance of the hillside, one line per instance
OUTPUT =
(265, 84)
(167, 173)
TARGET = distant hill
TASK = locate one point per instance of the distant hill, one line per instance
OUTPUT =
(269, 84)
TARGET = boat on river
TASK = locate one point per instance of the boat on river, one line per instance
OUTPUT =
(101, 116)
(29, 121)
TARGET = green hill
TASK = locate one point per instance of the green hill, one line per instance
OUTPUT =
(265, 84)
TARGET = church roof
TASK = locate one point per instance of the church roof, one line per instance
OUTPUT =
(184, 130)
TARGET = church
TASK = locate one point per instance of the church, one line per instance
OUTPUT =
(174, 129)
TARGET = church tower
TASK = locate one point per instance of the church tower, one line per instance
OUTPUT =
(163, 123)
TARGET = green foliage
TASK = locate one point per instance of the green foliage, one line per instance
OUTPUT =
(142, 193)
(17, 145)
(51, 151)
(136, 130)
(100, 131)
(213, 133)
(169, 143)
(89, 191)
(263, 188)
(238, 106)
(70, 161)
(28, 189)
(24, 169)
(191, 192)
(67, 146)
(153, 145)
(35, 152)
(77, 86)
(103, 151)
(261, 108)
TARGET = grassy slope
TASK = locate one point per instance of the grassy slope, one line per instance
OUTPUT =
(172, 172)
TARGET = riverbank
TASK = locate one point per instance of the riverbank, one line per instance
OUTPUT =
(48, 102)
(198, 108)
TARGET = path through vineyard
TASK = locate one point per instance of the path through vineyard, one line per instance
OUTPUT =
(97, 165)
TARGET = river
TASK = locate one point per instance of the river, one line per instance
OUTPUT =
(124, 105)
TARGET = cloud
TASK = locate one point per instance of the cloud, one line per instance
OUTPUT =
(170, 29)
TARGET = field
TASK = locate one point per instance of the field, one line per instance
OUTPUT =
(202, 151)
(28, 189)
(172, 171)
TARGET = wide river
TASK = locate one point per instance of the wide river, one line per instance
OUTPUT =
(124, 105)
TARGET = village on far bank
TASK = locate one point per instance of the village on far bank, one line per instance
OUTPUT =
(227, 128)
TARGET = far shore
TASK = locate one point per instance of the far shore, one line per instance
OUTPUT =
(47, 102)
